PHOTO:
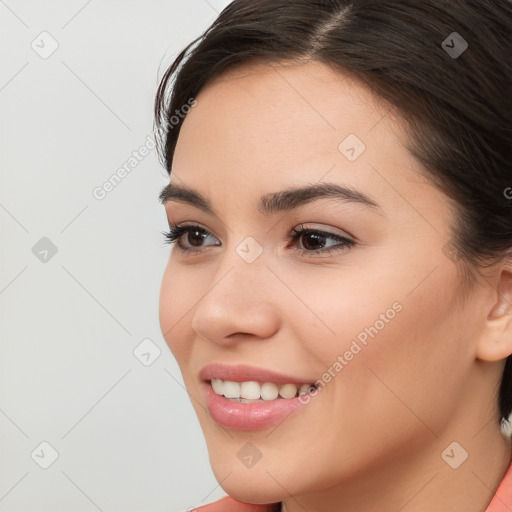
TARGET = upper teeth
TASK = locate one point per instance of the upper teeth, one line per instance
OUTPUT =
(252, 390)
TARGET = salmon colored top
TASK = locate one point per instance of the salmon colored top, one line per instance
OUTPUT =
(501, 502)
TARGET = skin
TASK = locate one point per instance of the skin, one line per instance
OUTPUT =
(372, 438)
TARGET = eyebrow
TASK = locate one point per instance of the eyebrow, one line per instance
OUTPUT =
(274, 202)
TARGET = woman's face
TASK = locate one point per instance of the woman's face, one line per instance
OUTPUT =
(375, 319)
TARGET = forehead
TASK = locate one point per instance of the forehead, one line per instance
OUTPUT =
(265, 127)
(273, 116)
(276, 103)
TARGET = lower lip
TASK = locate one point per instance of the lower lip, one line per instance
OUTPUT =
(249, 416)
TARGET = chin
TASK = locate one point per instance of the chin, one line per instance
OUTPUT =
(256, 484)
(257, 488)
(270, 480)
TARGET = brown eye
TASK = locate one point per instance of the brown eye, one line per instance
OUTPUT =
(195, 237)
(189, 238)
(314, 241)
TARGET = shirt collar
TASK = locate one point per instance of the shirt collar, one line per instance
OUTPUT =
(502, 500)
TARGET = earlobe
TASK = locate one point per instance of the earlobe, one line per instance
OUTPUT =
(495, 349)
(496, 342)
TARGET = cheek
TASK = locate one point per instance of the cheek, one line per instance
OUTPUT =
(176, 300)
(343, 310)
(382, 342)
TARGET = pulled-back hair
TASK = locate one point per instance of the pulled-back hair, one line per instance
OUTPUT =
(457, 106)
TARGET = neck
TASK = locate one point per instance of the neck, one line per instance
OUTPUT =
(424, 481)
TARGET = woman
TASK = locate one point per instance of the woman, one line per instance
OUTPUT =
(339, 291)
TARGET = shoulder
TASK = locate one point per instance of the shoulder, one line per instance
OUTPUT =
(229, 504)
(502, 500)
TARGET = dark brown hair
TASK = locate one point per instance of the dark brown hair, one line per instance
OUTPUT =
(457, 106)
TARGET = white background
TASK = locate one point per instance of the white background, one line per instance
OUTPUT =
(126, 434)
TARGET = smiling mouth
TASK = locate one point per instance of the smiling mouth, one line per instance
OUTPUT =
(253, 391)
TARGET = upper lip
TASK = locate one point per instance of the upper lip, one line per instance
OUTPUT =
(245, 373)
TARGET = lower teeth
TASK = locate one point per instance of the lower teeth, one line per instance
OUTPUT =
(248, 401)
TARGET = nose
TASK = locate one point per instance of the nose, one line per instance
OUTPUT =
(238, 304)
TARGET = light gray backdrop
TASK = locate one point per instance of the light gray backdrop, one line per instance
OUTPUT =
(93, 413)
(86, 423)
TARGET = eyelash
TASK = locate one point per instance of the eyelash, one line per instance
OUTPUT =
(176, 232)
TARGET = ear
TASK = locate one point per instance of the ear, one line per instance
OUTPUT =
(496, 342)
